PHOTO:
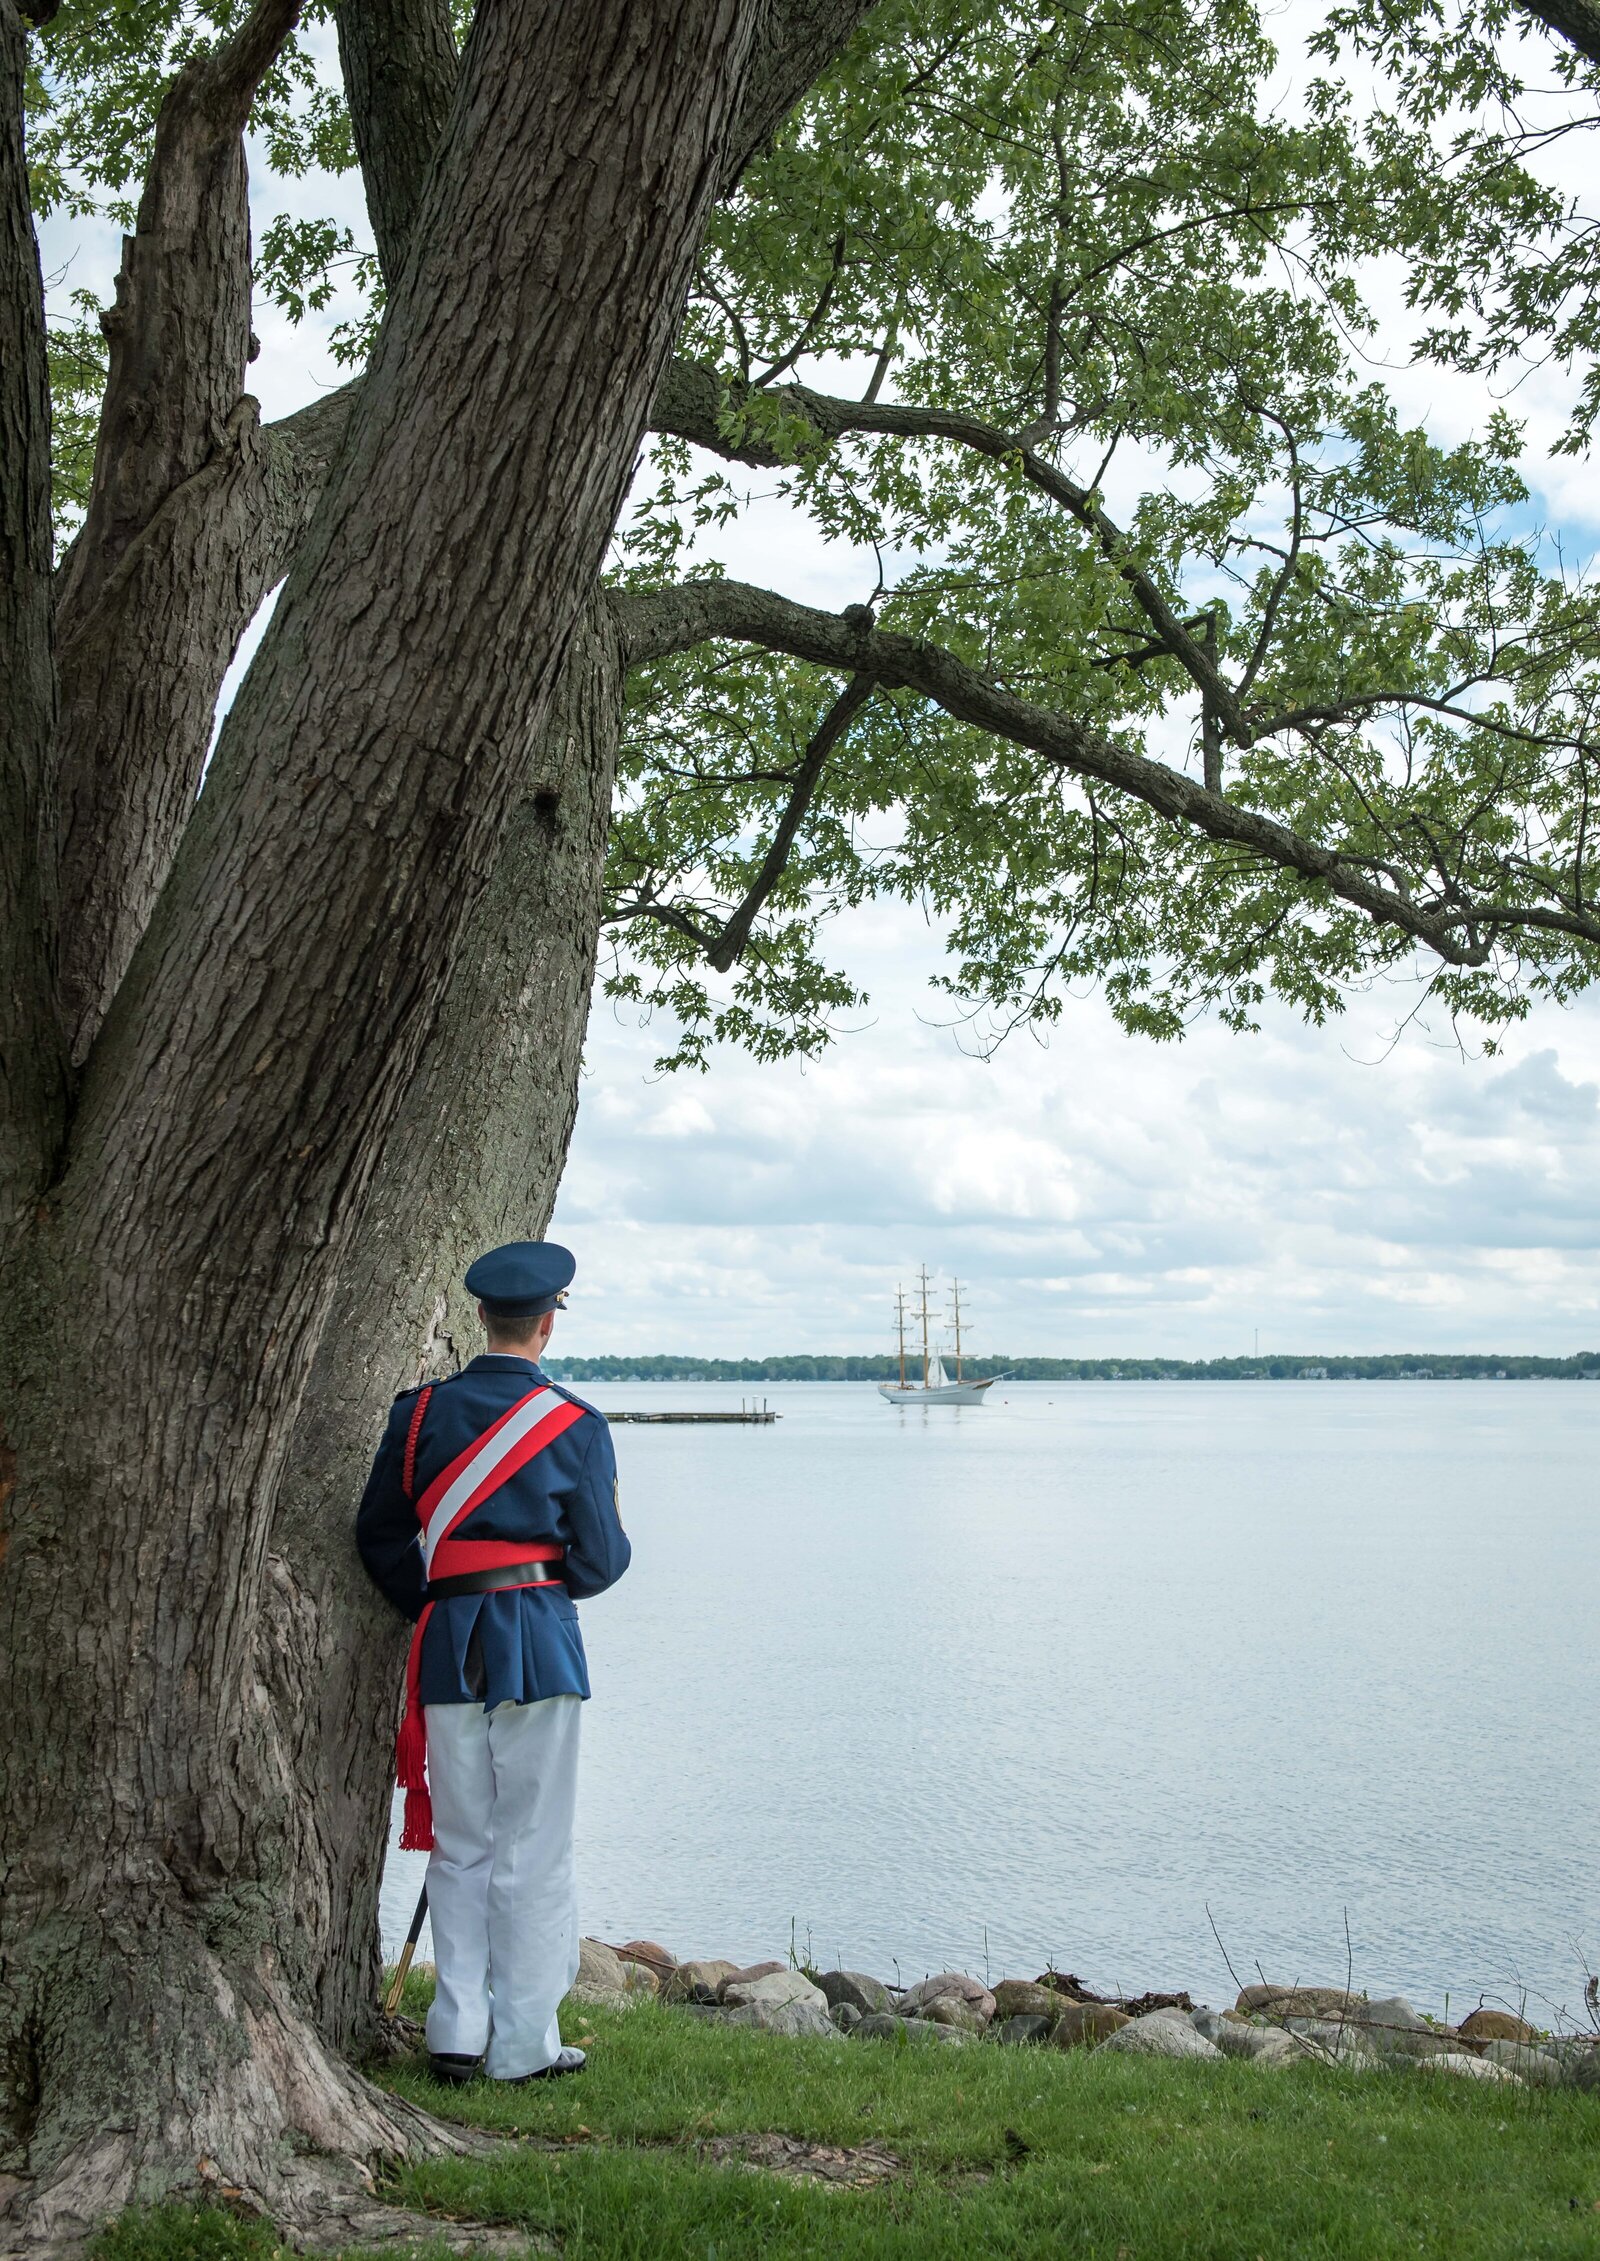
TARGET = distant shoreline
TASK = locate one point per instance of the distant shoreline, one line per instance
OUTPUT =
(1278, 1366)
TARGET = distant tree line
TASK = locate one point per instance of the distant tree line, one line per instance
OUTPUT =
(1279, 1366)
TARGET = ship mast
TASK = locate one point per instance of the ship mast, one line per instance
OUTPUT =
(924, 1278)
(955, 1297)
(900, 1323)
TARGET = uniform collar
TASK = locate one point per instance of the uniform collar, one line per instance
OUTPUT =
(502, 1361)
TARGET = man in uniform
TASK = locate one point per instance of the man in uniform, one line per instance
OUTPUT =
(491, 1504)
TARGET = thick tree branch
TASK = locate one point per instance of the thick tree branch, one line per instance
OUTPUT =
(142, 669)
(185, 516)
(796, 43)
(688, 404)
(179, 327)
(400, 67)
(1461, 933)
(729, 944)
(646, 905)
(1575, 21)
(32, 1050)
(286, 984)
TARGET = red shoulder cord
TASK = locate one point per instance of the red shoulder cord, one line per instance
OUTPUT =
(411, 1744)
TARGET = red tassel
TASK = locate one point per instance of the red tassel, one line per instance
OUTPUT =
(411, 1752)
(416, 1832)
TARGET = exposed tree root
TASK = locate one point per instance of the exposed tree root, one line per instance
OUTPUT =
(275, 2126)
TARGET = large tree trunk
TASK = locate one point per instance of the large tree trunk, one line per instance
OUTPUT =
(327, 1023)
(475, 1159)
(168, 1290)
(33, 1086)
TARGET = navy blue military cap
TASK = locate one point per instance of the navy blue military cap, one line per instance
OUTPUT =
(522, 1280)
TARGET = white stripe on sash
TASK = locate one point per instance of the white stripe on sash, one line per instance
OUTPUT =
(483, 1465)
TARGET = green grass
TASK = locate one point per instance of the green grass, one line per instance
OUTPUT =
(1007, 2152)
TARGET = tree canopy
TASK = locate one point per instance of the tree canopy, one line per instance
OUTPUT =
(1092, 259)
(1186, 666)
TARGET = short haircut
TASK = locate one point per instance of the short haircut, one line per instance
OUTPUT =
(521, 1329)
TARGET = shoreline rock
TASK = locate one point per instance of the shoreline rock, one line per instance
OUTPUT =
(1269, 2025)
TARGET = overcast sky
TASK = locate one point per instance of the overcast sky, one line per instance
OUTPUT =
(1330, 1189)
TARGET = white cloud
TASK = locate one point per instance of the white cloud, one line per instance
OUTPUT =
(1100, 1195)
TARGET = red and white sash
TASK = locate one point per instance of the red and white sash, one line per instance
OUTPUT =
(474, 1476)
(488, 1462)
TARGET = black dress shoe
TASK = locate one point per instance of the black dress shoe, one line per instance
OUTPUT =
(569, 2061)
(454, 2071)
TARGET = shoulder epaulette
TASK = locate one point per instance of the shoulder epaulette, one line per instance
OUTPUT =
(430, 1382)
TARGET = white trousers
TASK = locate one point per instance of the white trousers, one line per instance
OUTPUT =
(502, 1893)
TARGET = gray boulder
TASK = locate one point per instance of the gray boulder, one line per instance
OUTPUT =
(697, 1981)
(1580, 2062)
(792, 2018)
(1462, 2066)
(1348, 2042)
(1540, 2068)
(845, 2016)
(1079, 2025)
(1017, 2032)
(602, 1980)
(951, 2010)
(1297, 2002)
(775, 1990)
(1568, 2046)
(917, 1999)
(882, 2025)
(1278, 2048)
(855, 1987)
(1394, 2029)
(1236, 2039)
(1161, 2035)
(1023, 1998)
(749, 1971)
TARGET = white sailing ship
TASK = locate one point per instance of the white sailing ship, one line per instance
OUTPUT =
(936, 1386)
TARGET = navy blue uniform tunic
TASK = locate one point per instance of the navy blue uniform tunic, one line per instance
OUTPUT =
(520, 1645)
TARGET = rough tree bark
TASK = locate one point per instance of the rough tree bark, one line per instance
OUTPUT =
(191, 515)
(475, 1158)
(33, 1083)
(169, 1280)
(400, 66)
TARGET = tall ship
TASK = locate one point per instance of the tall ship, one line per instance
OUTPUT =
(936, 1386)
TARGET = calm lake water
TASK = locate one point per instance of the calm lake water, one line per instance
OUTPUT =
(1040, 1681)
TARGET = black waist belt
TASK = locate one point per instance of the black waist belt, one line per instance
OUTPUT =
(495, 1581)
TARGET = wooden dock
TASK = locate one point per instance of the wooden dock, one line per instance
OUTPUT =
(760, 1415)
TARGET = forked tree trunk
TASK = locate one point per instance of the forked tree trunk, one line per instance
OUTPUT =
(264, 1126)
(207, 1929)
(328, 1025)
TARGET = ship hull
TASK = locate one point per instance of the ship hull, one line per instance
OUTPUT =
(948, 1393)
